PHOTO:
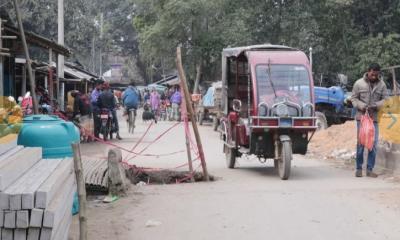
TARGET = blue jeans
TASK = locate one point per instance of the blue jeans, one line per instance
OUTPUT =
(371, 154)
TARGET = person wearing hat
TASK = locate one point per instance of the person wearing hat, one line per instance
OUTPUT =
(107, 100)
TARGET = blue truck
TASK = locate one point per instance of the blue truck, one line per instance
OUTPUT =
(332, 106)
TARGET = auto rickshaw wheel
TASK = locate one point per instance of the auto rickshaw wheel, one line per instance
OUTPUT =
(230, 154)
(284, 163)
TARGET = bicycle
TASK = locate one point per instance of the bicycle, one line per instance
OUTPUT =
(131, 120)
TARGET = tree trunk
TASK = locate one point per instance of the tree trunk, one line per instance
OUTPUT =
(199, 69)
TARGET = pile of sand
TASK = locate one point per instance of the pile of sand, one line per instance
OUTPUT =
(337, 139)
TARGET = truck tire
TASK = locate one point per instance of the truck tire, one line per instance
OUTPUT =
(321, 123)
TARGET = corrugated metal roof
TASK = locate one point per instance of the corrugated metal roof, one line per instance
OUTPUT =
(40, 41)
(78, 74)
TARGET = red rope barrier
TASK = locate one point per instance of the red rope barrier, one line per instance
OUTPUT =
(140, 140)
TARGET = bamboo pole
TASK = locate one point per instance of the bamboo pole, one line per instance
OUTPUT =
(184, 113)
(81, 191)
(191, 112)
(28, 59)
(189, 156)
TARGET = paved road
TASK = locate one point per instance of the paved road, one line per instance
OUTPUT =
(320, 201)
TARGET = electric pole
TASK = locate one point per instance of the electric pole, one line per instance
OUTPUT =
(101, 44)
(60, 62)
(28, 59)
(1, 61)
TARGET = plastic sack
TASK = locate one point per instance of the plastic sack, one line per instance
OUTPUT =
(366, 135)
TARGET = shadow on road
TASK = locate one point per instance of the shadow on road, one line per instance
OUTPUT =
(297, 173)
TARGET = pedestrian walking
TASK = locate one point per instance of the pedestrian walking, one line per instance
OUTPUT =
(176, 100)
(368, 96)
(155, 102)
(146, 96)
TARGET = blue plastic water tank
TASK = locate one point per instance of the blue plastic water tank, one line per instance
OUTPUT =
(51, 133)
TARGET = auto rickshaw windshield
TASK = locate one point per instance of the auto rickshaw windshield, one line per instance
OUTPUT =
(278, 81)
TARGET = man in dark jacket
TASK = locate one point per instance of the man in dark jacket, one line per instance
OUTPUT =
(94, 96)
(369, 94)
(107, 100)
(81, 104)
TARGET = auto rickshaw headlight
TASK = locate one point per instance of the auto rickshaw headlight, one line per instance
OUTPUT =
(282, 110)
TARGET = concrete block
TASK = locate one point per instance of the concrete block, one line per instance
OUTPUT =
(7, 234)
(45, 233)
(5, 156)
(62, 229)
(7, 143)
(9, 219)
(56, 181)
(57, 208)
(44, 169)
(20, 234)
(33, 233)
(22, 219)
(116, 174)
(4, 201)
(22, 192)
(17, 165)
(15, 201)
(36, 218)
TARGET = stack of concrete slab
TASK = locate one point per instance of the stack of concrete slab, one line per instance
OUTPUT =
(36, 195)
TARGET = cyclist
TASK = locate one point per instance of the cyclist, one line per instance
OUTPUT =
(131, 98)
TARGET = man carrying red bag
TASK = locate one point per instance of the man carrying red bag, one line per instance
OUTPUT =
(368, 96)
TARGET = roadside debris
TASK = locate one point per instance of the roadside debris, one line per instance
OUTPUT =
(141, 184)
(153, 223)
(141, 177)
(110, 199)
(335, 142)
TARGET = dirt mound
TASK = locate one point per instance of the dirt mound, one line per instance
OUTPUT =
(335, 140)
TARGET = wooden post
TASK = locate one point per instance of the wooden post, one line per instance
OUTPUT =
(28, 59)
(186, 122)
(50, 77)
(1, 62)
(191, 112)
(81, 191)
(189, 155)
(23, 85)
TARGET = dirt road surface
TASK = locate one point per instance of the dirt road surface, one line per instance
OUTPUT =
(320, 201)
